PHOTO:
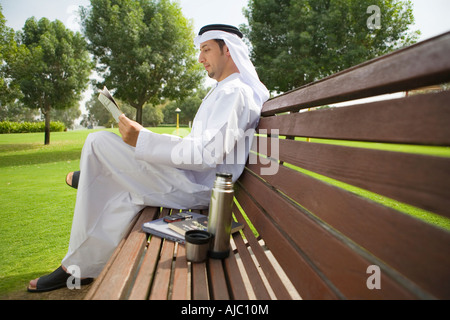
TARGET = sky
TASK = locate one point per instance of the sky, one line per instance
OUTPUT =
(431, 16)
(202, 12)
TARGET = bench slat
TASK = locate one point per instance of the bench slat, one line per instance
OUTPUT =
(384, 172)
(387, 74)
(141, 288)
(181, 283)
(160, 287)
(219, 290)
(256, 281)
(342, 263)
(420, 119)
(235, 281)
(200, 289)
(269, 271)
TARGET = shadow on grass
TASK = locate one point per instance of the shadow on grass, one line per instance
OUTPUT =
(39, 157)
(19, 147)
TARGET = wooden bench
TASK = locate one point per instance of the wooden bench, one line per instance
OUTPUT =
(331, 236)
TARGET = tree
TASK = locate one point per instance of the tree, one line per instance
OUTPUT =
(66, 116)
(143, 50)
(188, 107)
(152, 115)
(15, 111)
(98, 115)
(9, 93)
(295, 42)
(51, 67)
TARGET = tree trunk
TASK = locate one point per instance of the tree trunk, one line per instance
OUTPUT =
(139, 114)
(47, 125)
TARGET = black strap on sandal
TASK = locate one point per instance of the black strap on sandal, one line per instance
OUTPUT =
(75, 180)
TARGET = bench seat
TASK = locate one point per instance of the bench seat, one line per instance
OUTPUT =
(144, 267)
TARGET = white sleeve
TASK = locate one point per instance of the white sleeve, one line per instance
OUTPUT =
(199, 151)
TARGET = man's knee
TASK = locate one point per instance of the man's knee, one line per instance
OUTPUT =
(100, 137)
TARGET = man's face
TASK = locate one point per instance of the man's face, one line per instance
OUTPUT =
(213, 59)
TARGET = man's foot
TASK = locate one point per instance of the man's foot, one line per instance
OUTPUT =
(55, 280)
(72, 179)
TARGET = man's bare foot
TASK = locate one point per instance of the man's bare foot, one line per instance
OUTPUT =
(72, 179)
(69, 178)
(33, 284)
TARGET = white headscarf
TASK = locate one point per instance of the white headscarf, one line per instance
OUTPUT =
(240, 55)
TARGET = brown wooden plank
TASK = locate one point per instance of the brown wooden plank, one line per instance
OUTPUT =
(422, 64)
(387, 234)
(199, 282)
(118, 278)
(256, 281)
(219, 289)
(180, 279)
(343, 264)
(141, 288)
(420, 119)
(161, 282)
(419, 180)
(269, 271)
(234, 277)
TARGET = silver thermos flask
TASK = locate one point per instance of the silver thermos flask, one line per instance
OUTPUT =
(220, 217)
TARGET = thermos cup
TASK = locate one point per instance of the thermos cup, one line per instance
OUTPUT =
(220, 217)
(197, 245)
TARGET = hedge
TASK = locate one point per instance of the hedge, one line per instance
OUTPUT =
(26, 127)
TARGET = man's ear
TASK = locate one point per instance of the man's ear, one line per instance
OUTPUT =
(227, 51)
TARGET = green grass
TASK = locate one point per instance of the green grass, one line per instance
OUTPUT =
(36, 206)
(437, 151)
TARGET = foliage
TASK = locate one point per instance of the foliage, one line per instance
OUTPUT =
(66, 116)
(152, 115)
(143, 50)
(8, 91)
(27, 127)
(295, 42)
(188, 107)
(16, 111)
(51, 65)
(98, 115)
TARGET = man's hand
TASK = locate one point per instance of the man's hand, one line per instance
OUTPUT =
(129, 130)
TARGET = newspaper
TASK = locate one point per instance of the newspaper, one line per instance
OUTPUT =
(109, 103)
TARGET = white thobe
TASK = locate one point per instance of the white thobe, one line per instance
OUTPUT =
(118, 180)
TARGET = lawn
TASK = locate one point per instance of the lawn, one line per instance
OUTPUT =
(36, 206)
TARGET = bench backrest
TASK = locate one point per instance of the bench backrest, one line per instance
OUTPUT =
(337, 213)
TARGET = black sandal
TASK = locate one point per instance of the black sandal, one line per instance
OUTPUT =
(75, 179)
(55, 280)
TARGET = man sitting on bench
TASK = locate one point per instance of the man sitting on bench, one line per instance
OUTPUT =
(120, 176)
